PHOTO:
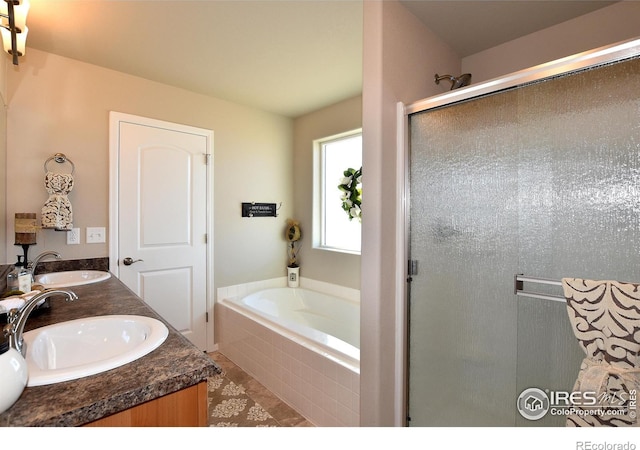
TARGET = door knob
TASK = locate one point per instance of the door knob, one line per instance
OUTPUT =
(128, 261)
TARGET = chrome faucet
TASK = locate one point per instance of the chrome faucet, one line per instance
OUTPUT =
(33, 264)
(17, 318)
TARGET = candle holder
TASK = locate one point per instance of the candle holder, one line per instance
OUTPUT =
(25, 252)
(25, 231)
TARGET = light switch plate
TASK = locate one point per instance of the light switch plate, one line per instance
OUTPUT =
(73, 236)
(96, 235)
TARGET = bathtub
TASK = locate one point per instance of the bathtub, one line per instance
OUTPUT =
(301, 344)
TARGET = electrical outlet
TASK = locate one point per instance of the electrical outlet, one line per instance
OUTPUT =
(73, 236)
(96, 235)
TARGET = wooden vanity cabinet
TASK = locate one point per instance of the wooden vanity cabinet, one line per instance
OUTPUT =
(184, 408)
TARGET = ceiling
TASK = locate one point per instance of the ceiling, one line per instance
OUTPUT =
(288, 57)
(472, 26)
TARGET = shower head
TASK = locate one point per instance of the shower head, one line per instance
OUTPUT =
(456, 82)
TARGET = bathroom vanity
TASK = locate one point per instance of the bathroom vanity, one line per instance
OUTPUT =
(167, 387)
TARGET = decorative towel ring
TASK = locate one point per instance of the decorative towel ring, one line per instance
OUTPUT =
(60, 158)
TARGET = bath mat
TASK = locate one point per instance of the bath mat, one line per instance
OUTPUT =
(230, 406)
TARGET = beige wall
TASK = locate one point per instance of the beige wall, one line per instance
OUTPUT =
(322, 265)
(605, 26)
(3, 153)
(400, 58)
(4, 64)
(61, 105)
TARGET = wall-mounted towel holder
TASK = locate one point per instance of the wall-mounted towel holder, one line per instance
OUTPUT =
(518, 287)
(60, 158)
(57, 212)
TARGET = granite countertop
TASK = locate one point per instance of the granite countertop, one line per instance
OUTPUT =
(175, 365)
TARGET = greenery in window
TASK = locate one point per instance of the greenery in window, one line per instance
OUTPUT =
(351, 187)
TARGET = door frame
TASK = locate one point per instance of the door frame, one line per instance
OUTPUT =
(580, 61)
(115, 118)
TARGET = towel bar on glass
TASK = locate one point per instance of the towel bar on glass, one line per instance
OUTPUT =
(518, 286)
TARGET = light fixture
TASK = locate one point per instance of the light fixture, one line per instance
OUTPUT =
(13, 27)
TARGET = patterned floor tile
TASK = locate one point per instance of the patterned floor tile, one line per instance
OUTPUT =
(230, 406)
(236, 400)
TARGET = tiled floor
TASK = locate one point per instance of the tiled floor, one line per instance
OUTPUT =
(280, 413)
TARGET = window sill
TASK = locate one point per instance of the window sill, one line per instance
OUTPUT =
(337, 250)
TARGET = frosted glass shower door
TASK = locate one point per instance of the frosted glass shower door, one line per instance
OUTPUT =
(542, 180)
(464, 233)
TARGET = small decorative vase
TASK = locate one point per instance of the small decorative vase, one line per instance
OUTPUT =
(13, 377)
(293, 276)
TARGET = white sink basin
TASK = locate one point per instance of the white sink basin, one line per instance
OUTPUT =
(71, 278)
(82, 347)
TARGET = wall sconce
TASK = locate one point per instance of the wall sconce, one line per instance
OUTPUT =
(13, 27)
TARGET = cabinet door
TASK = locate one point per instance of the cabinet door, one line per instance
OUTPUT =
(185, 408)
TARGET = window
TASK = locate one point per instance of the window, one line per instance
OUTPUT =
(332, 228)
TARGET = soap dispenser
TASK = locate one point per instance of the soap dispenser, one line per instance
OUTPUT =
(19, 279)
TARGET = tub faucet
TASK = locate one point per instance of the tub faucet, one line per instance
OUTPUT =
(17, 318)
(34, 264)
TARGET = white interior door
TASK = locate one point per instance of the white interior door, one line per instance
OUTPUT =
(162, 219)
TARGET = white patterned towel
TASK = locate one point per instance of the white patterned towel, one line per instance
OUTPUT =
(57, 212)
(605, 316)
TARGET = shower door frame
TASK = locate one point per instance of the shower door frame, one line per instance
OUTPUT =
(581, 61)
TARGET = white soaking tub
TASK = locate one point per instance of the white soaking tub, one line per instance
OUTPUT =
(301, 344)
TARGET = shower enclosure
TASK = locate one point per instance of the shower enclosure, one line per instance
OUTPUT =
(543, 179)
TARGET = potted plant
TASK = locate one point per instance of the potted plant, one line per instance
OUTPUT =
(293, 234)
